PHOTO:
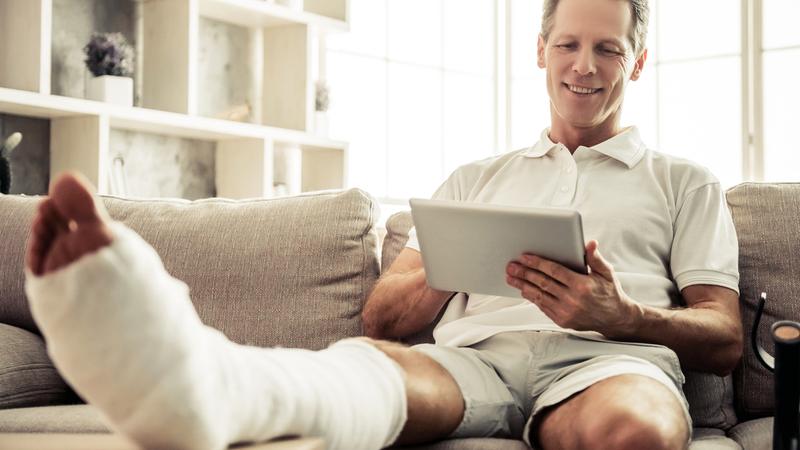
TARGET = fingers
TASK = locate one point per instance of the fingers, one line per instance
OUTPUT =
(533, 294)
(597, 262)
(541, 298)
(538, 279)
(552, 269)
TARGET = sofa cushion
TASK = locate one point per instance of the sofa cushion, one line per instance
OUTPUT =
(27, 376)
(710, 397)
(703, 439)
(53, 419)
(711, 439)
(472, 444)
(290, 272)
(16, 213)
(753, 434)
(767, 219)
(397, 227)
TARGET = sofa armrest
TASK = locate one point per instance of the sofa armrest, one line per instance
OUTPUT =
(27, 376)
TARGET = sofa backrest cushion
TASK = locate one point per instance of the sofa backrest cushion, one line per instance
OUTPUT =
(290, 272)
(767, 219)
(710, 397)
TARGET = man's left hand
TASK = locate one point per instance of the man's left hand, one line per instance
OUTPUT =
(593, 302)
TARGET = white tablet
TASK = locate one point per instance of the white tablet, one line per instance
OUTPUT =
(467, 246)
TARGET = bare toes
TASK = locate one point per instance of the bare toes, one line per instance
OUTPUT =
(73, 196)
(58, 257)
(52, 217)
(39, 241)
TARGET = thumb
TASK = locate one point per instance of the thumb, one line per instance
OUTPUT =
(596, 262)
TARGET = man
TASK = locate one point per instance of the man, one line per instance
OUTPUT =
(101, 296)
(662, 221)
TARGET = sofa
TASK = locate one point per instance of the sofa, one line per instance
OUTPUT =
(296, 271)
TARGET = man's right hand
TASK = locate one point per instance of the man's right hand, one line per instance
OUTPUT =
(402, 303)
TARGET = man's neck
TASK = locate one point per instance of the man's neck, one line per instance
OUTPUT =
(573, 137)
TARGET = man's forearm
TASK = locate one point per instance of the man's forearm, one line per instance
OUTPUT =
(704, 338)
(401, 304)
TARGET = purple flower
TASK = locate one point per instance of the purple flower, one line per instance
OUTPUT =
(109, 54)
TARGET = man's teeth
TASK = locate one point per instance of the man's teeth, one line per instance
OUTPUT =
(581, 90)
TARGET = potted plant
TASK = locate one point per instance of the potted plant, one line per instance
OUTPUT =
(321, 103)
(109, 58)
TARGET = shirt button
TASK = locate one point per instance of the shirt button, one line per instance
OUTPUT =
(564, 189)
(569, 169)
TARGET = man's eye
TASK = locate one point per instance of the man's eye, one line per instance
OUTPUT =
(567, 46)
(610, 51)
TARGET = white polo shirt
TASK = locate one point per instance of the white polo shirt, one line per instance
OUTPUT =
(661, 221)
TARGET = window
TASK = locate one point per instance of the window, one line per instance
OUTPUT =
(416, 84)
(781, 63)
(427, 85)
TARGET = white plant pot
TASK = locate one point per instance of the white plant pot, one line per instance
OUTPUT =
(110, 89)
(321, 123)
(294, 4)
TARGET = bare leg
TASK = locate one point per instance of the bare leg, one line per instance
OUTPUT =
(435, 403)
(637, 412)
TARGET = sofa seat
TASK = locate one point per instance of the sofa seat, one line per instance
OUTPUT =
(754, 434)
(86, 419)
(79, 418)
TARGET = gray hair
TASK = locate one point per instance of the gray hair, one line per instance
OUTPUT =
(640, 15)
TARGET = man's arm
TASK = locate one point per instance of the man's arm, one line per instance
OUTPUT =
(402, 303)
(706, 335)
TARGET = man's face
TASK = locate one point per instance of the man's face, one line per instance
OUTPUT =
(589, 61)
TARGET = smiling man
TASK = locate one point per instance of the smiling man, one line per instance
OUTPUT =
(582, 361)
(585, 361)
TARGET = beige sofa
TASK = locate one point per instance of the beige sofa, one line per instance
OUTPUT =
(295, 272)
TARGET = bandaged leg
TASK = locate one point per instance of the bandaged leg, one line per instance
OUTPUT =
(125, 335)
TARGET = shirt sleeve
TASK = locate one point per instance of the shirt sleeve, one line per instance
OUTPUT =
(449, 190)
(705, 249)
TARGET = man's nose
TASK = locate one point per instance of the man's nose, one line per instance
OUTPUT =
(585, 63)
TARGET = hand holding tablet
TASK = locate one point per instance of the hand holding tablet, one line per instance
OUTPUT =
(467, 246)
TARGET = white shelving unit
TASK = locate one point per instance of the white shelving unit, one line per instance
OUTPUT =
(80, 129)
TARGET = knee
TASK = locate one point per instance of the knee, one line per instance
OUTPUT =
(393, 350)
(628, 429)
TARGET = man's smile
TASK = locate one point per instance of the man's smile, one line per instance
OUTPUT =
(581, 90)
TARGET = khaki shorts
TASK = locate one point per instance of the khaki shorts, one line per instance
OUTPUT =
(508, 378)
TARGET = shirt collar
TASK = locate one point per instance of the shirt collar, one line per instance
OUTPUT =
(626, 147)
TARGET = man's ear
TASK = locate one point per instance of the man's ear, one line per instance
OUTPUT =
(639, 66)
(540, 53)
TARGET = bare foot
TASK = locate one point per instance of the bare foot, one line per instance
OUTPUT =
(69, 224)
